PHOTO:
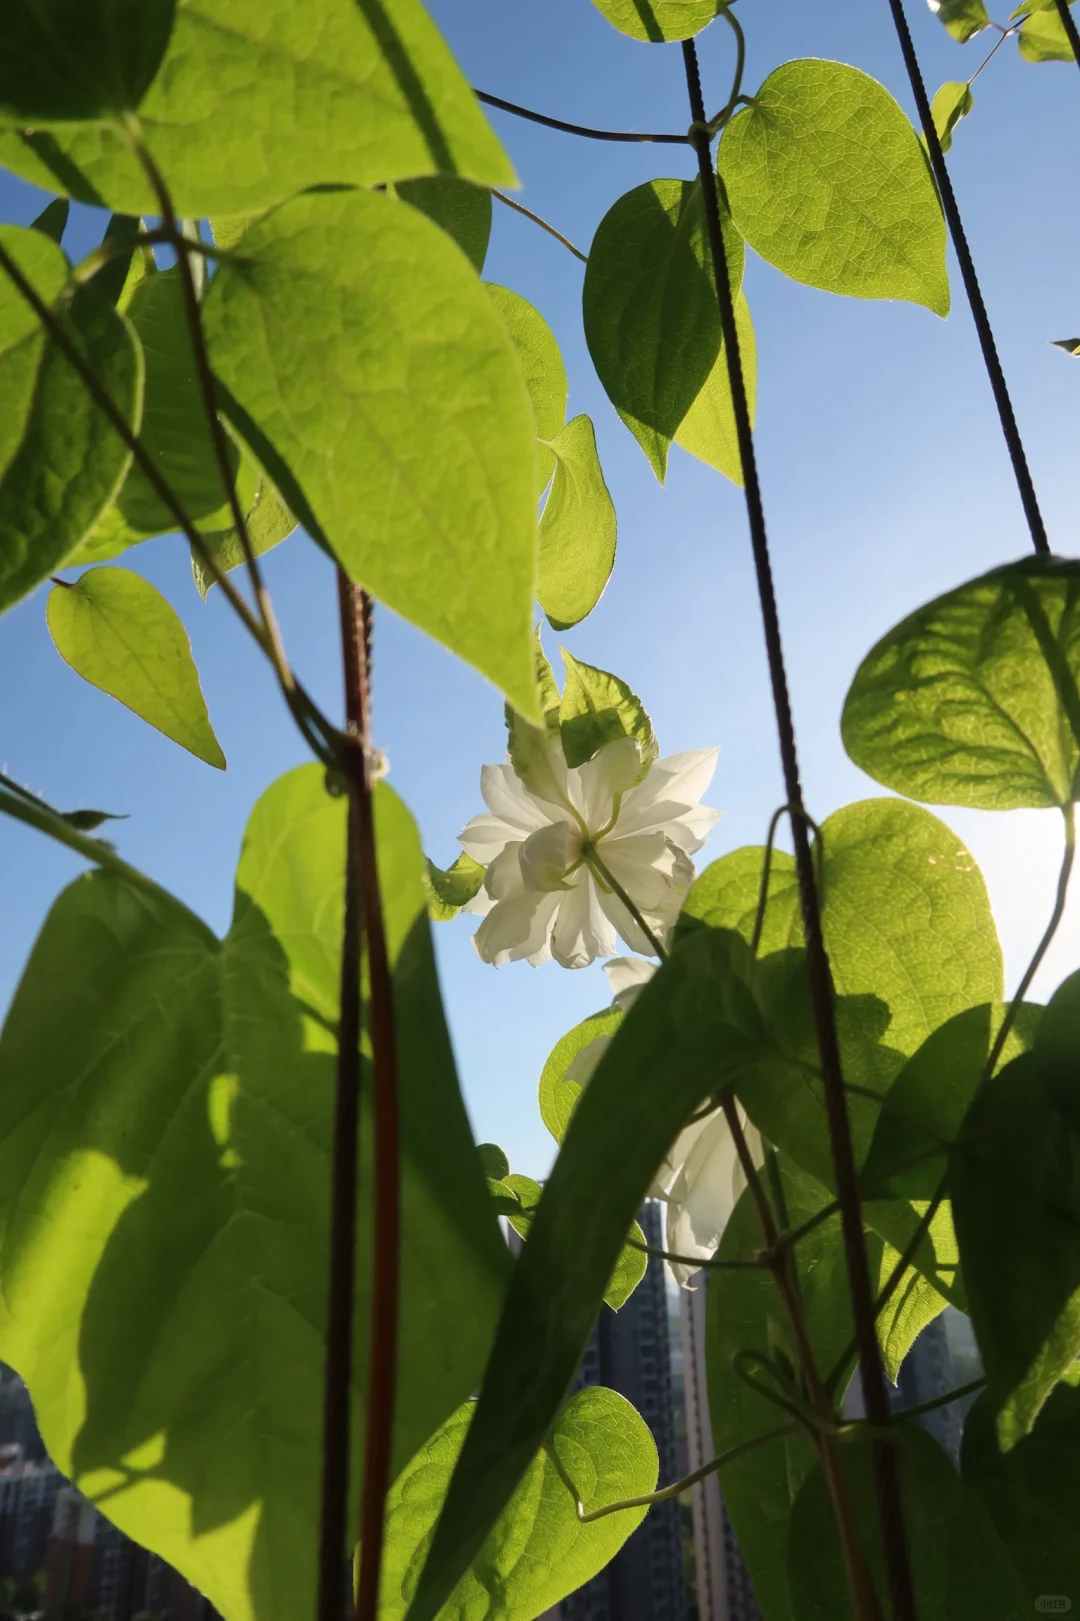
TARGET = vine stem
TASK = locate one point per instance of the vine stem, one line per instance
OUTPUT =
(574, 129)
(1009, 427)
(677, 1487)
(180, 243)
(519, 208)
(386, 1188)
(344, 1186)
(1071, 33)
(596, 864)
(821, 989)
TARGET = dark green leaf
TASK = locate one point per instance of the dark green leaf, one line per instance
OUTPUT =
(963, 18)
(537, 1551)
(167, 1111)
(598, 708)
(577, 530)
(242, 116)
(493, 1161)
(85, 821)
(448, 891)
(1033, 1493)
(460, 208)
(53, 219)
(1071, 346)
(630, 1267)
(972, 699)
(651, 316)
(79, 59)
(952, 102)
(347, 318)
(559, 1091)
(60, 460)
(658, 1069)
(960, 1571)
(118, 632)
(545, 375)
(708, 429)
(827, 181)
(1014, 1175)
(1059, 1049)
(659, 20)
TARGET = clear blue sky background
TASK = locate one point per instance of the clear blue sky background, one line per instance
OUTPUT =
(885, 481)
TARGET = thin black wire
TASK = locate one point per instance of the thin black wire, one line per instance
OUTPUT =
(821, 988)
(575, 129)
(1071, 33)
(1017, 456)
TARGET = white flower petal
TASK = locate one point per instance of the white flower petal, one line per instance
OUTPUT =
(627, 976)
(517, 928)
(706, 1189)
(548, 854)
(611, 771)
(582, 932)
(654, 872)
(503, 879)
(680, 780)
(486, 836)
(506, 796)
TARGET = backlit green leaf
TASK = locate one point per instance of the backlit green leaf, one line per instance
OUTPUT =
(268, 522)
(658, 1069)
(244, 114)
(559, 1091)
(960, 1570)
(827, 181)
(728, 893)
(952, 102)
(60, 460)
(598, 708)
(972, 700)
(577, 530)
(1042, 36)
(659, 20)
(708, 430)
(90, 59)
(165, 1132)
(545, 375)
(537, 1551)
(1032, 1492)
(448, 891)
(963, 18)
(651, 317)
(460, 208)
(631, 1265)
(376, 384)
(118, 632)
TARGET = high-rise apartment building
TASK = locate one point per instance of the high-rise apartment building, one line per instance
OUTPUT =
(723, 1585)
(630, 1351)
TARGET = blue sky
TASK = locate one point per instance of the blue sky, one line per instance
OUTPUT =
(885, 481)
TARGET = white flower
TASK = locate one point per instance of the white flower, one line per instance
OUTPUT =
(701, 1177)
(701, 1180)
(545, 893)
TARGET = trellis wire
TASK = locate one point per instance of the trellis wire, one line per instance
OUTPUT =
(1009, 428)
(821, 988)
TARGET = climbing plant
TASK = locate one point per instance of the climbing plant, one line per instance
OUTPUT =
(251, 1263)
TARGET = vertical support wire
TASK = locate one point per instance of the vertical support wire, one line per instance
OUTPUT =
(821, 988)
(1069, 25)
(991, 360)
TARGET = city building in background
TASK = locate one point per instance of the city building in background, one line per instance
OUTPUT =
(61, 1559)
(630, 1351)
(721, 1579)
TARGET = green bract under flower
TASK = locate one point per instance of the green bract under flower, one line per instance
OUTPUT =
(557, 855)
